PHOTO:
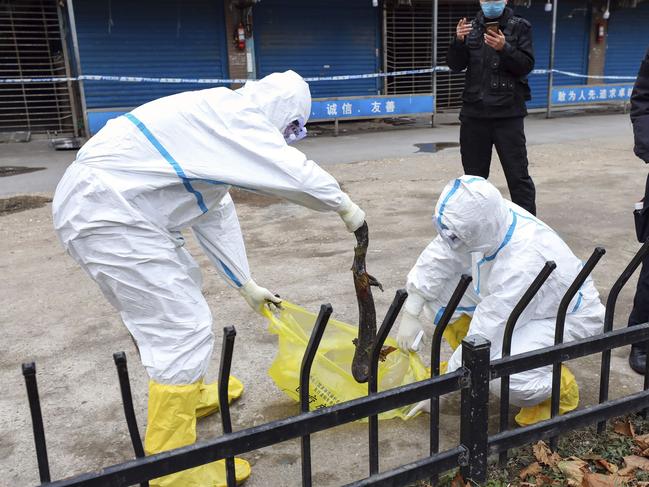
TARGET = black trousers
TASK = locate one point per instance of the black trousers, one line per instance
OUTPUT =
(479, 135)
(640, 312)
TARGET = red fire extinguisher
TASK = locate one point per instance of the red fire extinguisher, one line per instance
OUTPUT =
(600, 33)
(240, 37)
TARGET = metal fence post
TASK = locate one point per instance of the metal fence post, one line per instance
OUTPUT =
(534, 288)
(573, 289)
(229, 334)
(29, 372)
(373, 382)
(608, 322)
(127, 402)
(305, 372)
(474, 426)
(436, 345)
(645, 386)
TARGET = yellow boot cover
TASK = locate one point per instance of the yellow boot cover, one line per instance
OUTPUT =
(456, 331)
(171, 423)
(569, 400)
(209, 399)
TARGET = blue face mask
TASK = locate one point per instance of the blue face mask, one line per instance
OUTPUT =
(493, 9)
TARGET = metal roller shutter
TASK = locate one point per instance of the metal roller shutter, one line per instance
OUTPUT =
(571, 52)
(627, 40)
(151, 38)
(449, 85)
(408, 45)
(320, 38)
(31, 46)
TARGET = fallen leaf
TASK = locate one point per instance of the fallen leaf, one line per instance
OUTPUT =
(573, 471)
(543, 480)
(624, 428)
(642, 441)
(532, 469)
(610, 467)
(634, 462)
(601, 480)
(459, 481)
(544, 455)
(590, 457)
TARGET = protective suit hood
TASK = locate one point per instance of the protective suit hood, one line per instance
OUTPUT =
(474, 210)
(282, 97)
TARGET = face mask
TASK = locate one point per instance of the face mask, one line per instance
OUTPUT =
(448, 236)
(294, 131)
(493, 9)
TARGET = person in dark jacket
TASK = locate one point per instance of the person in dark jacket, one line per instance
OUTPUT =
(497, 64)
(640, 119)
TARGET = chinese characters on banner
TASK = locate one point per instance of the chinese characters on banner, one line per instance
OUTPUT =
(377, 106)
(571, 95)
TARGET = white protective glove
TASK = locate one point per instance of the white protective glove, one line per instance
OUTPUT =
(256, 296)
(352, 215)
(421, 406)
(410, 326)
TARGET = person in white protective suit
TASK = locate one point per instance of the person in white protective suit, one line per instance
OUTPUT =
(503, 247)
(165, 167)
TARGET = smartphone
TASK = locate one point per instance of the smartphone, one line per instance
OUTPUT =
(492, 27)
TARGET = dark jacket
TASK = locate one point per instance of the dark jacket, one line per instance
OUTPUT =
(496, 81)
(640, 112)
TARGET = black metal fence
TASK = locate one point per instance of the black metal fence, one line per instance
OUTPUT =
(472, 379)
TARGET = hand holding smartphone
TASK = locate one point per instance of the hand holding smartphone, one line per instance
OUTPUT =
(492, 27)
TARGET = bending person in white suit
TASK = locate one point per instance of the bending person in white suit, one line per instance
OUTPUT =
(168, 166)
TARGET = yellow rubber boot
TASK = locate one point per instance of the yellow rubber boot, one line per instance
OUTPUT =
(209, 398)
(456, 331)
(569, 400)
(171, 423)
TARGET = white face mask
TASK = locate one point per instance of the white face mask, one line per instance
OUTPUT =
(294, 131)
(449, 237)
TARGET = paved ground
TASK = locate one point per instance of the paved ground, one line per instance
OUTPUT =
(358, 142)
(587, 180)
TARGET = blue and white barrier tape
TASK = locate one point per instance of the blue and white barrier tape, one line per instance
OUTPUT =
(215, 81)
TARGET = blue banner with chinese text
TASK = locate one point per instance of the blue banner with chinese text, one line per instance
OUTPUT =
(378, 106)
(572, 95)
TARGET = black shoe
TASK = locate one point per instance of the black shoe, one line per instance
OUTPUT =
(638, 358)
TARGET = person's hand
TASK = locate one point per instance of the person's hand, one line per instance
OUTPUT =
(495, 40)
(256, 296)
(352, 215)
(463, 28)
(409, 328)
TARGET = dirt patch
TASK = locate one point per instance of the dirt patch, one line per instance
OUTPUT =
(15, 204)
(599, 457)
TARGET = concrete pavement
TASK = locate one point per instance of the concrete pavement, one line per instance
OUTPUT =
(356, 146)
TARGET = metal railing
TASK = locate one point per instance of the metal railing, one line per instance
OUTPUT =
(472, 379)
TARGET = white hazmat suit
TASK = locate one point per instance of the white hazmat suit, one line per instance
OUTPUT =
(165, 167)
(503, 247)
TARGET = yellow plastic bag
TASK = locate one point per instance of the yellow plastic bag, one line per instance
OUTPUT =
(331, 378)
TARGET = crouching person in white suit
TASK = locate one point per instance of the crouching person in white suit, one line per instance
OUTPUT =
(503, 248)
